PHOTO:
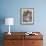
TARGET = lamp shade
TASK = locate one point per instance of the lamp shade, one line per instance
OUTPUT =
(9, 21)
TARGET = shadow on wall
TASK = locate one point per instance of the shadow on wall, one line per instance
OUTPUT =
(2, 21)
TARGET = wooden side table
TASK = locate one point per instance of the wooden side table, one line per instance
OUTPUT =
(20, 39)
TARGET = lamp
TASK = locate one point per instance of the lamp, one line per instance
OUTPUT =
(9, 21)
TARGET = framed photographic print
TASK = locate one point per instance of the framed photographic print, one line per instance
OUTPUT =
(26, 15)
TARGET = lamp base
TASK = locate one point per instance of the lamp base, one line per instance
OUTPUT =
(9, 33)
